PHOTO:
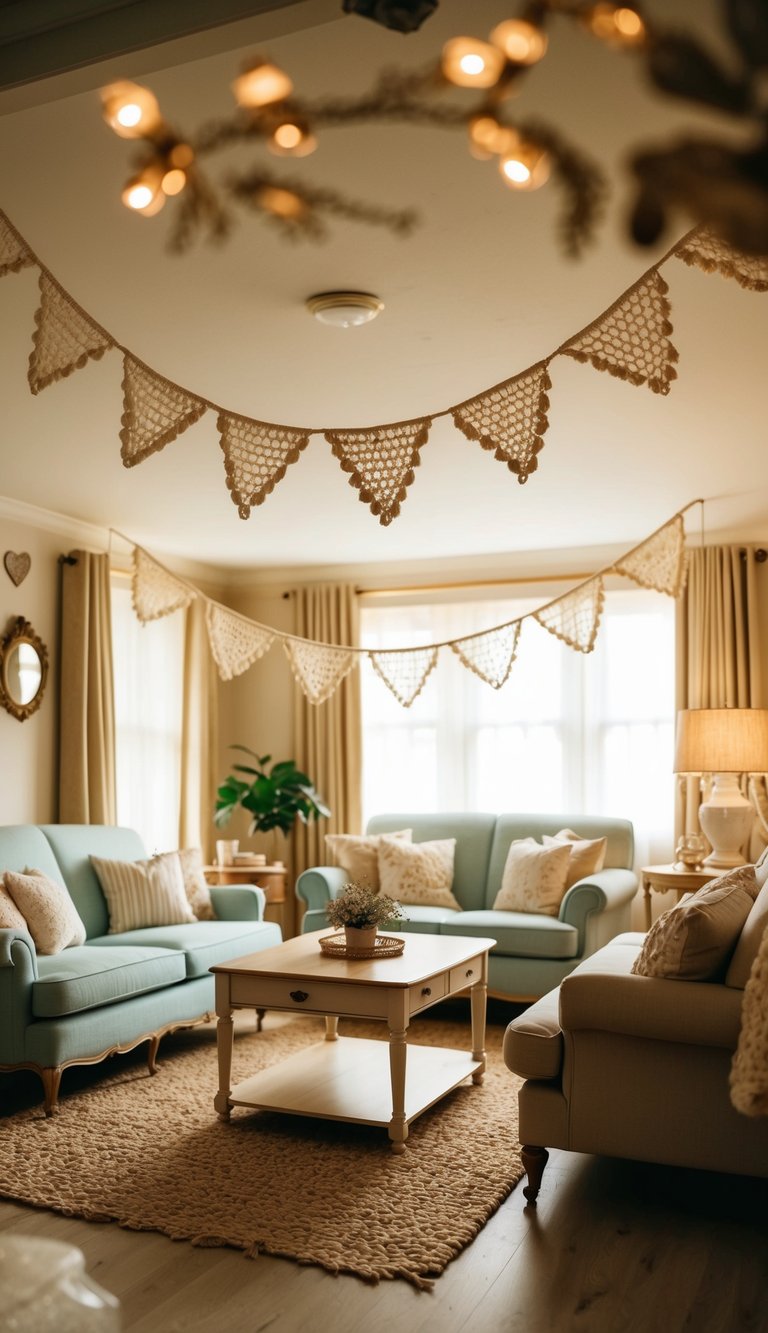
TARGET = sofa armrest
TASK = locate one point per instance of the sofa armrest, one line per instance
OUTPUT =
(697, 1013)
(601, 892)
(244, 902)
(18, 969)
(317, 886)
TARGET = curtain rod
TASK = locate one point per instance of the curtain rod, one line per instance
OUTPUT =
(470, 583)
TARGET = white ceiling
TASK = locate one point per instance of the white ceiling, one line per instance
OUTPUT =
(478, 293)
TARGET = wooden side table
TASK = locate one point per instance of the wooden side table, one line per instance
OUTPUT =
(269, 878)
(663, 878)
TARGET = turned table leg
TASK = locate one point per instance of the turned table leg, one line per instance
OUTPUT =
(331, 1027)
(534, 1160)
(224, 1037)
(398, 1049)
(478, 996)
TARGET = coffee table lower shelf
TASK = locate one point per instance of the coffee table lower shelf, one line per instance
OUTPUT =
(349, 1079)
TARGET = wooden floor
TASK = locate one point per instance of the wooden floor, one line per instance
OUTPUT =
(613, 1247)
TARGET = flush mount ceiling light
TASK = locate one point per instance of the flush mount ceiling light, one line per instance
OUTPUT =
(345, 310)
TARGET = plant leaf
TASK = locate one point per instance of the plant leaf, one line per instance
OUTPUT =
(748, 25)
(680, 65)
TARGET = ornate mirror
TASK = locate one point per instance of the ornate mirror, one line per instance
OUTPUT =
(23, 670)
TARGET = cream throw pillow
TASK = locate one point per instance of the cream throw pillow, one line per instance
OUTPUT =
(195, 885)
(143, 893)
(587, 854)
(420, 873)
(694, 940)
(534, 877)
(10, 916)
(358, 855)
(50, 915)
(749, 940)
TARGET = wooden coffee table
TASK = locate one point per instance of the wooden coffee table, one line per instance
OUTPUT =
(349, 1078)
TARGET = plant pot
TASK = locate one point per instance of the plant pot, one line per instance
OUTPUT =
(360, 937)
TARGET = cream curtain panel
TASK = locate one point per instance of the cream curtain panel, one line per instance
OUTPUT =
(328, 736)
(87, 710)
(199, 735)
(722, 636)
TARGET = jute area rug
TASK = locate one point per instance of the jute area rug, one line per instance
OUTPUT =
(150, 1154)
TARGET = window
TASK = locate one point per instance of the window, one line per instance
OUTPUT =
(148, 669)
(568, 732)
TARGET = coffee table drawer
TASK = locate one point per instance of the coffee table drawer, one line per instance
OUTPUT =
(311, 997)
(427, 992)
(466, 974)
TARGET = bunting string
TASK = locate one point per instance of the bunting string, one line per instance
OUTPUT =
(236, 642)
(630, 340)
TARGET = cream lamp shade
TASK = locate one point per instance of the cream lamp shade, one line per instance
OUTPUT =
(724, 742)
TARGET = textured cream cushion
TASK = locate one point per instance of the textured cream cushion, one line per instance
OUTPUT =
(587, 854)
(195, 885)
(420, 873)
(694, 940)
(50, 915)
(534, 877)
(143, 893)
(10, 916)
(746, 950)
(359, 854)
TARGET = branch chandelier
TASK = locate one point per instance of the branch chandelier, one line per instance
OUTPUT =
(716, 183)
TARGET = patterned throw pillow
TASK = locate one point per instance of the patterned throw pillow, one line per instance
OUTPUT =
(420, 873)
(143, 893)
(195, 885)
(50, 915)
(10, 916)
(359, 854)
(587, 854)
(694, 940)
(534, 877)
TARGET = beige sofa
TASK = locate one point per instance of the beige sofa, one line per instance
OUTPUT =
(636, 1066)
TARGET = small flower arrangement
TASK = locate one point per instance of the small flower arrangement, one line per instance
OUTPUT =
(359, 907)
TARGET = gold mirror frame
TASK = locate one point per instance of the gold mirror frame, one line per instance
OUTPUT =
(22, 632)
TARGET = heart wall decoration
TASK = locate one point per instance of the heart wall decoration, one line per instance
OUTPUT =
(17, 566)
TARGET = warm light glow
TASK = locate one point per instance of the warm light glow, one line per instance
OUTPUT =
(522, 42)
(137, 196)
(292, 138)
(261, 84)
(616, 24)
(130, 110)
(173, 181)
(488, 138)
(470, 63)
(181, 156)
(283, 203)
(525, 168)
(143, 194)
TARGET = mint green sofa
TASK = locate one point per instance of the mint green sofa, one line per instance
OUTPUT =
(115, 991)
(533, 953)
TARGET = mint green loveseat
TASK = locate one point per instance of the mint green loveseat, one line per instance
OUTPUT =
(115, 991)
(533, 953)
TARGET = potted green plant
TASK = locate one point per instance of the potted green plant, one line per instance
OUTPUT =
(274, 798)
(361, 911)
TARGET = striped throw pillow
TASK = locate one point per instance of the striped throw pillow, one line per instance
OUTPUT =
(143, 893)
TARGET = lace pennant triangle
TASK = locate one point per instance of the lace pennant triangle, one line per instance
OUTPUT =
(13, 252)
(490, 655)
(405, 673)
(510, 419)
(155, 411)
(256, 457)
(236, 643)
(659, 561)
(318, 668)
(575, 618)
(381, 462)
(155, 592)
(64, 338)
(631, 339)
(707, 251)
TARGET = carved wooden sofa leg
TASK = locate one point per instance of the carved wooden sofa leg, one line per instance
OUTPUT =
(259, 1018)
(534, 1160)
(51, 1080)
(154, 1046)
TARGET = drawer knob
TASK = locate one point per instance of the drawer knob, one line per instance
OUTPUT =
(299, 996)
(470, 971)
(426, 990)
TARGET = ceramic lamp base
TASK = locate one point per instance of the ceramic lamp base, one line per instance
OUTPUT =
(726, 820)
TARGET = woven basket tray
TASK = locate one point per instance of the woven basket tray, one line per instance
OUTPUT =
(387, 946)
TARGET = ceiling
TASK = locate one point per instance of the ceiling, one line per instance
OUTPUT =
(479, 292)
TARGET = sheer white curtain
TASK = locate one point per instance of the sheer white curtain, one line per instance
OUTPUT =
(148, 669)
(583, 734)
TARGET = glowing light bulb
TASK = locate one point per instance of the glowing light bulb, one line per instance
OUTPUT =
(130, 110)
(526, 167)
(618, 25)
(469, 63)
(283, 203)
(292, 138)
(488, 138)
(522, 42)
(261, 84)
(143, 193)
(173, 181)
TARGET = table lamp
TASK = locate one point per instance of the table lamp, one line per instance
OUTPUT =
(724, 742)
